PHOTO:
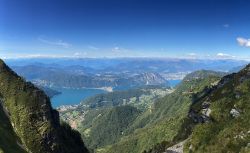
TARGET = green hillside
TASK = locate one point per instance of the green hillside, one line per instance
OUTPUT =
(140, 98)
(33, 119)
(227, 127)
(8, 139)
(161, 125)
(105, 118)
(110, 125)
(106, 128)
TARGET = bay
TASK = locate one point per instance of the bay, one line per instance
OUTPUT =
(70, 96)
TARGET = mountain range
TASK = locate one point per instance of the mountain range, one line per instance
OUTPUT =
(77, 77)
(207, 112)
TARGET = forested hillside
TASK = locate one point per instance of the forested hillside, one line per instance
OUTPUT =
(154, 126)
(161, 126)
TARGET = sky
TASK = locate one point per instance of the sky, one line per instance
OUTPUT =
(125, 28)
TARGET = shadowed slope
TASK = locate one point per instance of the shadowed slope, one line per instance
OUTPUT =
(33, 119)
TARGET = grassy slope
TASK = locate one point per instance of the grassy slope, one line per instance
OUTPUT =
(8, 138)
(33, 118)
(225, 133)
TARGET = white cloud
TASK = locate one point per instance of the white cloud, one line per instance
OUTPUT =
(59, 43)
(225, 56)
(243, 42)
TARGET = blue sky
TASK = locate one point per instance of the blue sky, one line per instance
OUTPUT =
(127, 28)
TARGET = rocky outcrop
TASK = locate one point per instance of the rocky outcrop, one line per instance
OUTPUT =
(235, 113)
(226, 108)
(177, 148)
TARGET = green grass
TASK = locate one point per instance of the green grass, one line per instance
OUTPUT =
(225, 133)
(35, 122)
(8, 138)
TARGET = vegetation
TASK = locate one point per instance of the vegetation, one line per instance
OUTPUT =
(109, 126)
(32, 117)
(49, 92)
(8, 139)
(154, 127)
(210, 112)
(142, 98)
(226, 131)
(165, 120)
(92, 116)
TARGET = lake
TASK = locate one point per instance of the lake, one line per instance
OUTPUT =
(73, 96)
(173, 83)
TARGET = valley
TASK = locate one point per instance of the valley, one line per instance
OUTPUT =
(124, 76)
(156, 117)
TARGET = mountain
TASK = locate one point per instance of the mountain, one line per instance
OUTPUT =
(105, 118)
(141, 98)
(109, 72)
(132, 65)
(162, 124)
(9, 142)
(35, 126)
(202, 74)
(218, 119)
(148, 78)
(158, 123)
(81, 77)
(222, 116)
(109, 125)
(207, 112)
(237, 69)
(49, 92)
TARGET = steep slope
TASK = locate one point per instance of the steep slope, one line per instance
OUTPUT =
(105, 118)
(218, 119)
(225, 114)
(33, 119)
(150, 79)
(49, 92)
(160, 126)
(9, 142)
(109, 126)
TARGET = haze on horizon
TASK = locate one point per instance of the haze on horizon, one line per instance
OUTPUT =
(133, 28)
